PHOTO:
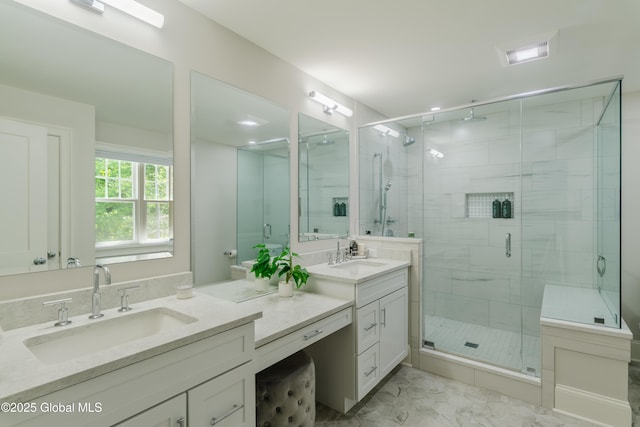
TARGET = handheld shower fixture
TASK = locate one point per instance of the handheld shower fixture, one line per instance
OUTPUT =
(388, 186)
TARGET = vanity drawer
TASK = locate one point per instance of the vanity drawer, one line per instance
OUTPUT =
(280, 348)
(368, 370)
(368, 324)
(376, 288)
(228, 400)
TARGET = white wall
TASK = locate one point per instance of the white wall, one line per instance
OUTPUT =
(631, 216)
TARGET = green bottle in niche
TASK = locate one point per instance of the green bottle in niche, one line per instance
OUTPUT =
(506, 209)
(343, 209)
(496, 210)
(336, 209)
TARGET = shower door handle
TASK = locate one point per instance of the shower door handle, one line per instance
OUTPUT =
(507, 245)
(266, 231)
(601, 265)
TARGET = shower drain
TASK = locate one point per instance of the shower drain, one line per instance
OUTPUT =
(471, 344)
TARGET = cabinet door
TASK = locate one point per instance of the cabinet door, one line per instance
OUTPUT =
(172, 413)
(394, 338)
(225, 401)
(368, 326)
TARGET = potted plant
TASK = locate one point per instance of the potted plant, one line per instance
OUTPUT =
(263, 268)
(294, 274)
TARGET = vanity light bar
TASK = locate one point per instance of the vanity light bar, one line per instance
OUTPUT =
(386, 131)
(131, 7)
(329, 104)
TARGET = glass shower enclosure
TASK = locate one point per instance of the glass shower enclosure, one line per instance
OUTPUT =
(514, 199)
(263, 198)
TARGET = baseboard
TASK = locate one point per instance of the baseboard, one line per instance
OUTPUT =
(510, 383)
(592, 407)
(635, 351)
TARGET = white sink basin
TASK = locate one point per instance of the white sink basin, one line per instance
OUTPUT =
(72, 342)
(360, 266)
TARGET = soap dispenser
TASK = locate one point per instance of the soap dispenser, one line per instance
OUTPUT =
(506, 209)
(343, 209)
(496, 210)
(336, 209)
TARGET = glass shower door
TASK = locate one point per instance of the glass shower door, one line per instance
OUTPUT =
(608, 207)
(472, 224)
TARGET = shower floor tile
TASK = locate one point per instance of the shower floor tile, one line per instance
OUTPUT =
(494, 346)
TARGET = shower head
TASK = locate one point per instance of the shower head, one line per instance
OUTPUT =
(408, 140)
(472, 117)
(388, 186)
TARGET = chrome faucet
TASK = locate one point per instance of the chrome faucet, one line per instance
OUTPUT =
(96, 297)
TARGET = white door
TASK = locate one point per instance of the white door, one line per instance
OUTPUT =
(23, 191)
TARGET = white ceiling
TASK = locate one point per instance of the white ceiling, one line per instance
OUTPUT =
(405, 56)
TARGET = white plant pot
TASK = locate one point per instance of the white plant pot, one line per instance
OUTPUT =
(285, 289)
(261, 284)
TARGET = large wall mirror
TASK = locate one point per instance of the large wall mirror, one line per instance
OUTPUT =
(323, 182)
(86, 147)
(240, 177)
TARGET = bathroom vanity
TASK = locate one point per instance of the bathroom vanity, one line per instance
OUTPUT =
(376, 342)
(195, 361)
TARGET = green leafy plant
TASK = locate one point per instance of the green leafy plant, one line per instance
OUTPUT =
(264, 266)
(284, 261)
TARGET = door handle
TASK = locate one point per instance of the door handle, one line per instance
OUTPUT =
(507, 245)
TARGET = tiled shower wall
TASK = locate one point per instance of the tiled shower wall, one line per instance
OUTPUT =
(467, 276)
(393, 163)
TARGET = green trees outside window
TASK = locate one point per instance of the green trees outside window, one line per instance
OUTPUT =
(122, 215)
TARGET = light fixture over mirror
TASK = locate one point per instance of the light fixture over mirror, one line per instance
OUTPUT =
(329, 104)
(239, 177)
(95, 99)
(130, 7)
(323, 180)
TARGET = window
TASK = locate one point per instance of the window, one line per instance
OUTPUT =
(134, 202)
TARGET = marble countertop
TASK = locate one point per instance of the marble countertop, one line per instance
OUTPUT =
(370, 269)
(280, 316)
(24, 377)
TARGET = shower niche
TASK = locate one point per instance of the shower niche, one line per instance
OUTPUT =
(489, 205)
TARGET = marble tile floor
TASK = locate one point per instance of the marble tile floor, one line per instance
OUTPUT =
(410, 397)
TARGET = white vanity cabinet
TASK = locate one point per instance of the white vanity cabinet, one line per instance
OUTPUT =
(172, 413)
(209, 381)
(381, 328)
(351, 362)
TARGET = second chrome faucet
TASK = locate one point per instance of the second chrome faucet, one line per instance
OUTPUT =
(96, 297)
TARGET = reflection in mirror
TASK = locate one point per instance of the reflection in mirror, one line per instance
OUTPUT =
(67, 97)
(323, 189)
(240, 177)
(263, 197)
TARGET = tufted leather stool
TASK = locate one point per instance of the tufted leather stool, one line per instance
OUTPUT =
(285, 393)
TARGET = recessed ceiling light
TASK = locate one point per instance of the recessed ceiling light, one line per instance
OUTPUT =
(435, 109)
(528, 53)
